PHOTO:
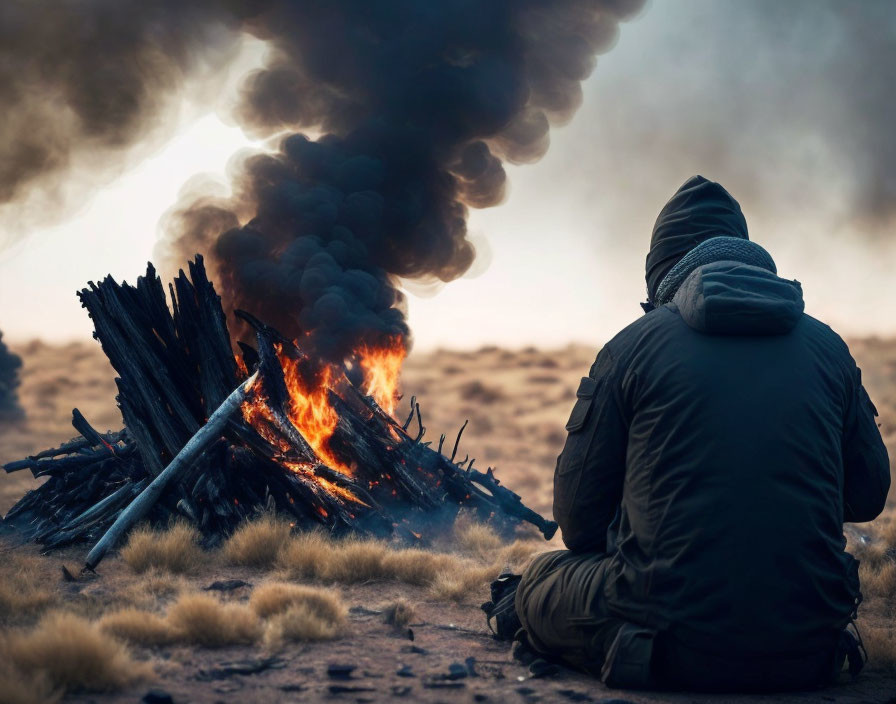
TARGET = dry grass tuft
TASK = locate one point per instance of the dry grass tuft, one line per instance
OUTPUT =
(464, 582)
(415, 566)
(878, 580)
(138, 627)
(23, 591)
(477, 539)
(880, 642)
(300, 623)
(888, 532)
(305, 556)
(276, 597)
(175, 549)
(399, 613)
(257, 543)
(204, 620)
(151, 588)
(17, 687)
(518, 554)
(70, 653)
(355, 561)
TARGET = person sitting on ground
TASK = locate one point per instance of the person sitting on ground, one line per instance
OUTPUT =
(715, 450)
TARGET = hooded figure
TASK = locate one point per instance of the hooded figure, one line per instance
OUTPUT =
(715, 450)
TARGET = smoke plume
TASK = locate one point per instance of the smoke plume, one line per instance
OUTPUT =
(418, 104)
(411, 107)
(9, 382)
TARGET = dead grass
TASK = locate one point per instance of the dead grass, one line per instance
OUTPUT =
(257, 543)
(518, 554)
(174, 549)
(17, 687)
(878, 581)
(23, 580)
(464, 583)
(888, 530)
(138, 627)
(354, 561)
(415, 566)
(151, 588)
(399, 613)
(204, 620)
(477, 539)
(276, 597)
(69, 653)
(304, 555)
(300, 623)
(880, 642)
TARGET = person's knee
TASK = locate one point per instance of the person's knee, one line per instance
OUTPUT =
(529, 593)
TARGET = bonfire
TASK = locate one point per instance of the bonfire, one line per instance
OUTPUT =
(215, 437)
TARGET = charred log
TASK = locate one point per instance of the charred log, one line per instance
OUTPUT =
(176, 366)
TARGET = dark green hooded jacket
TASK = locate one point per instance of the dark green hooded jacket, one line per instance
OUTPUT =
(715, 450)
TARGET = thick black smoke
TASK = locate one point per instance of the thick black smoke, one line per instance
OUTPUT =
(418, 104)
(9, 382)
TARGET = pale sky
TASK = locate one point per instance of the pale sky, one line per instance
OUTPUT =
(563, 257)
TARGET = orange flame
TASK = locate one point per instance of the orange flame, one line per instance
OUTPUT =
(382, 368)
(310, 411)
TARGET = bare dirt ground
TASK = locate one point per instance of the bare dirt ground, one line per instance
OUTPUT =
(517, 402)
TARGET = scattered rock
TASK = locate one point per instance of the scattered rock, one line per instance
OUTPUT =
(414, 649)
(348, 689)
(444, 684)
(456, 671)
(340, 672)
(542, 668)
(529, 693)
(574, 696)
(155, 696)
(364, 611)
(405, 671)
(401, 690)
(241, 667)
(471, 667)
(229, 687)
(292, 687)
(227, 585)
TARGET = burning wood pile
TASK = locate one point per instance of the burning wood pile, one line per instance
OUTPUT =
(209, 441)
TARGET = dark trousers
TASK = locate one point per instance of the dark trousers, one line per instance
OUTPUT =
(561, 606)
(559, 602)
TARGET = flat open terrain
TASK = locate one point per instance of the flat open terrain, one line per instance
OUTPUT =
(517, 402)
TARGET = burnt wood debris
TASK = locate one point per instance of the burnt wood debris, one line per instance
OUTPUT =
(175, 369)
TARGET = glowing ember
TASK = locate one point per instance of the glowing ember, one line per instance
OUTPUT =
(382, 367)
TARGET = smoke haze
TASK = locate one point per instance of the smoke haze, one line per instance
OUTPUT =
(418, 104)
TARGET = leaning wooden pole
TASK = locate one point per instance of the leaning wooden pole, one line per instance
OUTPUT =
(195, 446)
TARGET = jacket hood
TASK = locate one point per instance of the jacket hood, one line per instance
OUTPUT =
(730, 298)
(699, 210)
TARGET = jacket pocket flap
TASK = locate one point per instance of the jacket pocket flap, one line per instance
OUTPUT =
(584, 396)
(587, 387)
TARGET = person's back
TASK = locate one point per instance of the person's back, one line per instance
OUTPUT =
(714, 452)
